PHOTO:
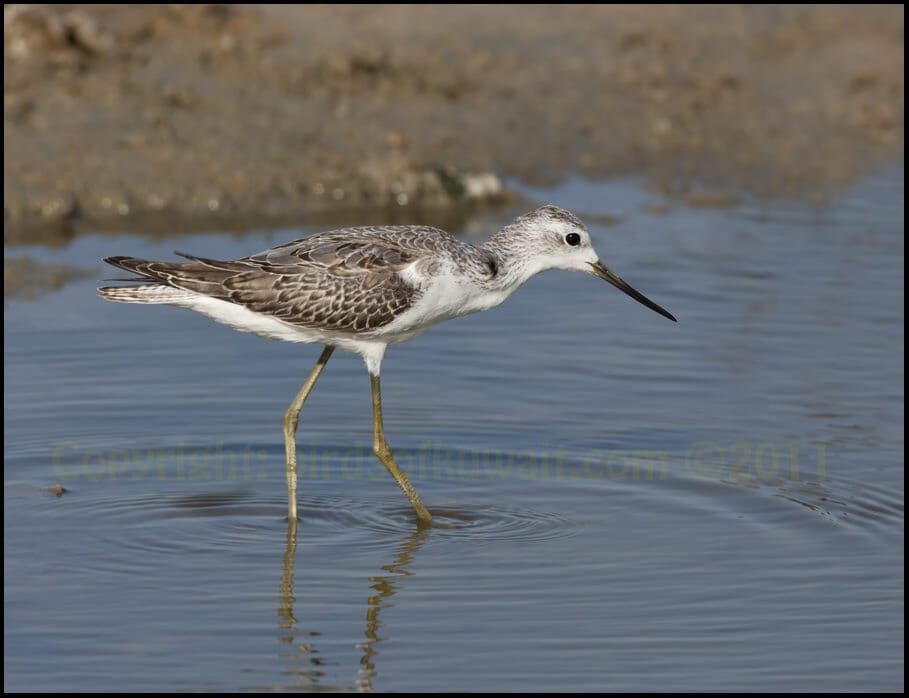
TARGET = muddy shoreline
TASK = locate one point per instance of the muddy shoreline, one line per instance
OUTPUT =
(203, 115)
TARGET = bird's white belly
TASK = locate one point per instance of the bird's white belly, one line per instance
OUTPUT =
(244, 320)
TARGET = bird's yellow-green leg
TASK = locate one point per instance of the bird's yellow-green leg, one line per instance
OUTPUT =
(291, 417)
(381, 449)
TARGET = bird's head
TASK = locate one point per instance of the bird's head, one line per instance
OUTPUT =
(557, 239)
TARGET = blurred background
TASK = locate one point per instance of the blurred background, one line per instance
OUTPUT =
(117, 112)
(624, 504)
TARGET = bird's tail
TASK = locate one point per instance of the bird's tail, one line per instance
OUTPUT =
(146, 293)
(149, 290)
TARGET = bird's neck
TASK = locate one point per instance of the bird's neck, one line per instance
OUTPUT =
(513, 262)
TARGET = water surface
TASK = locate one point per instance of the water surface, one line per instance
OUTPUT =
(623, 503)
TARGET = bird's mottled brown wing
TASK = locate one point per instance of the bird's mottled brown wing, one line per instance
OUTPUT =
(340, 296)
(344, 280)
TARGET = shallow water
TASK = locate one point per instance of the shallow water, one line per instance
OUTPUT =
(622, 503)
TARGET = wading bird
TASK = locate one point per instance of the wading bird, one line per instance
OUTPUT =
(362, 289)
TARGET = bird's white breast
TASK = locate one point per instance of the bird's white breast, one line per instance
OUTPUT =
(443, 295)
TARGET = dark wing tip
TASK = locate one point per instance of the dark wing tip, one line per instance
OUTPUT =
(125, 263)
(134, 265)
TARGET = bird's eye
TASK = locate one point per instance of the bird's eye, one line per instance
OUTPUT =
(573, 239)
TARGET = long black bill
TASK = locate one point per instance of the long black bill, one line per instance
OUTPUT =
(607, 274)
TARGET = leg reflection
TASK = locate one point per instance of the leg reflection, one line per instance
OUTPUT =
(306, 662)
(286, 609)
(385, 586)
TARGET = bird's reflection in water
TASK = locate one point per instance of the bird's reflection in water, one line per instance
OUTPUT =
(303, 655)
(306, 662)
(385, 586)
